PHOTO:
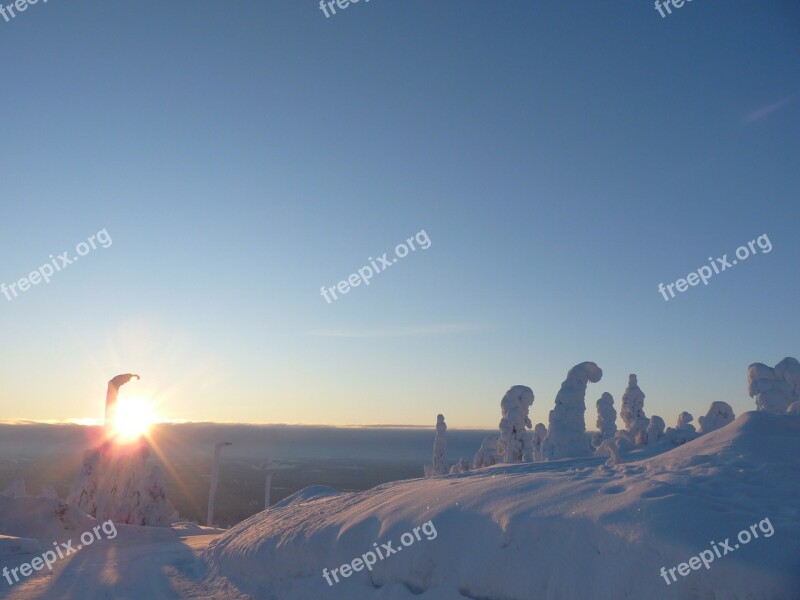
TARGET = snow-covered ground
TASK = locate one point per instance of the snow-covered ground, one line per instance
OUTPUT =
(564, 529)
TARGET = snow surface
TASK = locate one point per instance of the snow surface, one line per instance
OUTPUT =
(560, 529)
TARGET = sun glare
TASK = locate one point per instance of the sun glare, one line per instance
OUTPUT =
(133, 418)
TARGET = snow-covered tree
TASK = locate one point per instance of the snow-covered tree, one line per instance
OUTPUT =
(48, 491)
(719, 415)
(606, 420)
(487, 454)
(655, 429)
(537, 441)
(462, 466)
(632, 412)
(774, 389)
(566, 434)
(685, 422)
(214, 480)
(794, 408)
(514, 439)
(439, 466)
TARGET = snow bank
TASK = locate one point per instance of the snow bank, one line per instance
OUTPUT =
(550, 531)
(566, 433)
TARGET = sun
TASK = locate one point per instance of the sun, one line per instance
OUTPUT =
(133, 419)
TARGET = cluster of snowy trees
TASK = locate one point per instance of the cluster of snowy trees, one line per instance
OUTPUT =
(775, 389)
(117, 485)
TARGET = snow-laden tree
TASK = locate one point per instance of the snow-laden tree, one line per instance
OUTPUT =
(537, 441)
(462, 466)
(719, 414)
(632, 412)
(48, 491)
(606, 420)
(83, 493)
(514, 440)
(774, 389)
(566, 434)
(212, 493)
(439, 466)
(487, 454)
(794, 408)
(655, 429)
(685, 422)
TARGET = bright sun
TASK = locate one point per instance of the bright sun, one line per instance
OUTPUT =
(133, 418)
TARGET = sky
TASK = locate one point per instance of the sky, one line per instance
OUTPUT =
(562, 159)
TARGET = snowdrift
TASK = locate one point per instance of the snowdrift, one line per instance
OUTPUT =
(573, 528)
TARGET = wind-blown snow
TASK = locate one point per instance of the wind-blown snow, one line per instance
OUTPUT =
(560, 529)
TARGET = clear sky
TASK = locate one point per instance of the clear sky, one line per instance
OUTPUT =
(564, 158)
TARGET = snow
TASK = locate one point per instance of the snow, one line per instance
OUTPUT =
(590, 530)
(566, 432)
(636, 422)
(439, 466)
(606, 419)
(514, 440)
(487, 453)
(719, 415)
(115, 483)
(774, 389)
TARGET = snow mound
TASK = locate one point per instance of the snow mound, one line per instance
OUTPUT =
(10, 545)
(573, 528)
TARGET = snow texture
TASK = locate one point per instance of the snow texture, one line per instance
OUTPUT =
(566, 432)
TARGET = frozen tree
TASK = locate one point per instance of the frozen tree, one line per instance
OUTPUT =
(655, 429)
(462, 466)
(685, 422)
(606, 420)
(83, 493)
(487, 454)
(633, 411)
(774, 389)
(719, 415)
(439, 466)
(514, 439)
(155, 510)
(794, 408)
(789, 370)
(214, 480)
(111, 397)
(566, 435)
(269, 470)
(537, 440)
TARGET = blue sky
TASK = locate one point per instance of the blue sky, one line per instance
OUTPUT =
(563, 158)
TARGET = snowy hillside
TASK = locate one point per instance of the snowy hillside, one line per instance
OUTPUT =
(572, 528)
